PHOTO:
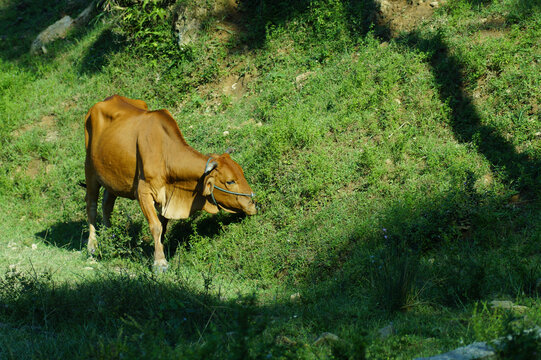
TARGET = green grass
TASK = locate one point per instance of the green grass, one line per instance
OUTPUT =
(397, 182)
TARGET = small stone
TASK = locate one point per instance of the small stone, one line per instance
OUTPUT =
(226, 133)
(295, 297)
(434, 4)
(34, 246)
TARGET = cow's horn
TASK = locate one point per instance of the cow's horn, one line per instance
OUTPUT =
(211, 165)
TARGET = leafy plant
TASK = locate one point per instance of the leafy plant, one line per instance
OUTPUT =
(519, 341)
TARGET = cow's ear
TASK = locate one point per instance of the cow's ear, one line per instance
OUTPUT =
(210, 166)
(209, 186)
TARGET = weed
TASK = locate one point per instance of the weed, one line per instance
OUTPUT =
(393, 274)
(122, 239)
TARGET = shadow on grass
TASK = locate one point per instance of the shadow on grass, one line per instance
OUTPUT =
(96, 56)
(70, 235)
(479, 242)
(517, 170)
(73, 235)
(260, 17)
(451, 250)
(180, 232)
(131, 315)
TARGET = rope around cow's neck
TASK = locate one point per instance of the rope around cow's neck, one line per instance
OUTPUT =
(251, 195)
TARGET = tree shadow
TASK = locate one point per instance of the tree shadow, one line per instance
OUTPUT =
(96, 56)
(516, 169)
(259, 17)
(132, 315)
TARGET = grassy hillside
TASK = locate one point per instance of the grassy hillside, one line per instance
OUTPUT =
(397, 173)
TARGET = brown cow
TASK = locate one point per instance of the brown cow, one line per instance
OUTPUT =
(141, 154)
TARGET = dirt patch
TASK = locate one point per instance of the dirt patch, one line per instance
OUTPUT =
(405, 15)
(47, 123)
(235, 86)
(490, 29)
(36, 167)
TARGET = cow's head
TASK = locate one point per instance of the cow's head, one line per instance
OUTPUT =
(226, 186)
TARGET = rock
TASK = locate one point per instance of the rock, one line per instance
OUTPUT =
(60, 29)
(507, 305)
(387, 331)
(226, 133)
(295, 297)
(57, 30)
(188, 24)
(326, 337)
(478, 350)
(190, 18)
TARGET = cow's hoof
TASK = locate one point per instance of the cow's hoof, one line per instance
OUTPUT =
(160, 267)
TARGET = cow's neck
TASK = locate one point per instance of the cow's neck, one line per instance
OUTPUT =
(185, 163)
(182, 194)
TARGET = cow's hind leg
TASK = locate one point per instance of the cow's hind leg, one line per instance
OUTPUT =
(147, 205)
(92, 193)
(108, 203)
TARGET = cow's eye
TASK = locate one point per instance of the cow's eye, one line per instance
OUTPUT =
(230, 182)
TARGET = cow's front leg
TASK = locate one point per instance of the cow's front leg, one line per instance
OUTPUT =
(147, 205)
